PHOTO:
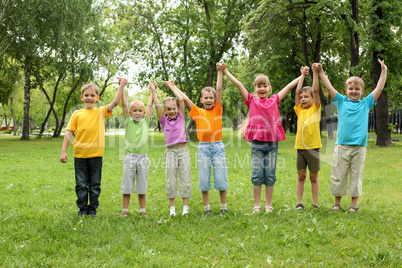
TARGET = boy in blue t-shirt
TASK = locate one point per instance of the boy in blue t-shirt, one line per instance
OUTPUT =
(351, 141)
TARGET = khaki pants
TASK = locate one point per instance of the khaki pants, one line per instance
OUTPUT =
(348, 158)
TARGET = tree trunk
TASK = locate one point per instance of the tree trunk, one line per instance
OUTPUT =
(27, 99)
(381, 109)
(354, 37)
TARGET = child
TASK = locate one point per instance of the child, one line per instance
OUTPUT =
(89, 145)
(351, 141)
(308, 139)
(177, 155)
(136, 162)
(211, 150)
(264, 130)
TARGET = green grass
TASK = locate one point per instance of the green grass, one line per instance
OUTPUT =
(40, 226)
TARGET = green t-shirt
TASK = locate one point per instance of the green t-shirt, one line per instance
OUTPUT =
(136, 134)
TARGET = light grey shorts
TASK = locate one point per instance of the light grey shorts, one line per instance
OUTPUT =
(348, 159)
(178, 160)
(135, 165)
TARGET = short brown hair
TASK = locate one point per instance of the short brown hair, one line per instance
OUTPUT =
(354, 79)
(307, 88)
(90, 86)
(208, 89)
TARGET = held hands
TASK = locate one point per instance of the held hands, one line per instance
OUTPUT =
(384, 67)
(317, 67)
(169, 84)
(221, 66)
(304, 70)
(153, 86)
(122, 81)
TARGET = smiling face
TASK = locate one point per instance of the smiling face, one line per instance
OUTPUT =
(262, 90)
(170, 108)
(89, 97)
(208, 99)
(137, 110)
(354, 91)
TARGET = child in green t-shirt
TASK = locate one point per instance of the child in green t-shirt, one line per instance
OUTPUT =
(136, 163)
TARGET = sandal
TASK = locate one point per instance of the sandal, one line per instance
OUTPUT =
(336, 208)
(124, 214)
(256, 210)
(352, 209)
(299, 206)
(316, 207)
(268, 209)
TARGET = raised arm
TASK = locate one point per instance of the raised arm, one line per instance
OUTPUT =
(150, 102)
(243, 91)
(66, 141)
(316, 84)
(381, 82)
(282, 94)
(122, 83)
(304, 73)
(219, 83)
(124, 107)
(170, 84)
(153, 86)
(325, 81)
(187, 101)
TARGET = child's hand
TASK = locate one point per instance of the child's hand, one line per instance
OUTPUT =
(383, 66)
(169, 83)
(123, 81)
(304, 70)
(317, 67)
(155, 84)
(152, 86)
(63, 158)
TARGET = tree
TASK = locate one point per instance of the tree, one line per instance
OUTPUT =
(35, 31)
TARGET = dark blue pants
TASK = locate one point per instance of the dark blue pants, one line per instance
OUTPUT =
(88, 173)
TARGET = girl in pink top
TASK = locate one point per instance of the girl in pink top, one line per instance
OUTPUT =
(264, 130)
(177, 155)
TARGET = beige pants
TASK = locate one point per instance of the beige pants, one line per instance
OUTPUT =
(348, 158)
(178, 161)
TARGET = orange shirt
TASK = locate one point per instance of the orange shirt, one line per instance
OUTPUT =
(209, 123)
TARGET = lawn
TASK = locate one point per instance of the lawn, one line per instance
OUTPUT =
(40, 226)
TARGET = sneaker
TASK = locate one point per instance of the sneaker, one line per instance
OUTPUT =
(82, 213)
(124, 214)
(185, 212)
(143, 214)
(92, 215)
(208, 212)
(224, 211)
(173, 213)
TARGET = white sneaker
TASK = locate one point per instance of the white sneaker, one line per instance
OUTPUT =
(185, 212)
(173, 213)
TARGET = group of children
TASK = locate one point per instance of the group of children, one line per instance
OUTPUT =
(262, 128)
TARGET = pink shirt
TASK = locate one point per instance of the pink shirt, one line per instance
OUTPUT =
(174, 129)
(264, 120)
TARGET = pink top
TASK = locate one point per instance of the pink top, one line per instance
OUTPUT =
(174, 129)
(264, 120)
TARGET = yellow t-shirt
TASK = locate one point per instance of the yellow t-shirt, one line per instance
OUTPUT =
(209, 123)
(308, 127)
(89, 128)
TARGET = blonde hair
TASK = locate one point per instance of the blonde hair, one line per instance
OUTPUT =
(171, 99)
(354, 79)
(208, 89)
(260, 79)
(136, 102)
(90, 86)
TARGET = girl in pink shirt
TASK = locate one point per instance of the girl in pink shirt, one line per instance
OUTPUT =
(264, 130)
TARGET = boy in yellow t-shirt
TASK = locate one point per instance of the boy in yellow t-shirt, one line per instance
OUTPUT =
(88, 126)
(308, 140)
(211, 150)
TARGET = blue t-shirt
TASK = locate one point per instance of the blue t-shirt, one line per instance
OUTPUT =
(353, 119)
